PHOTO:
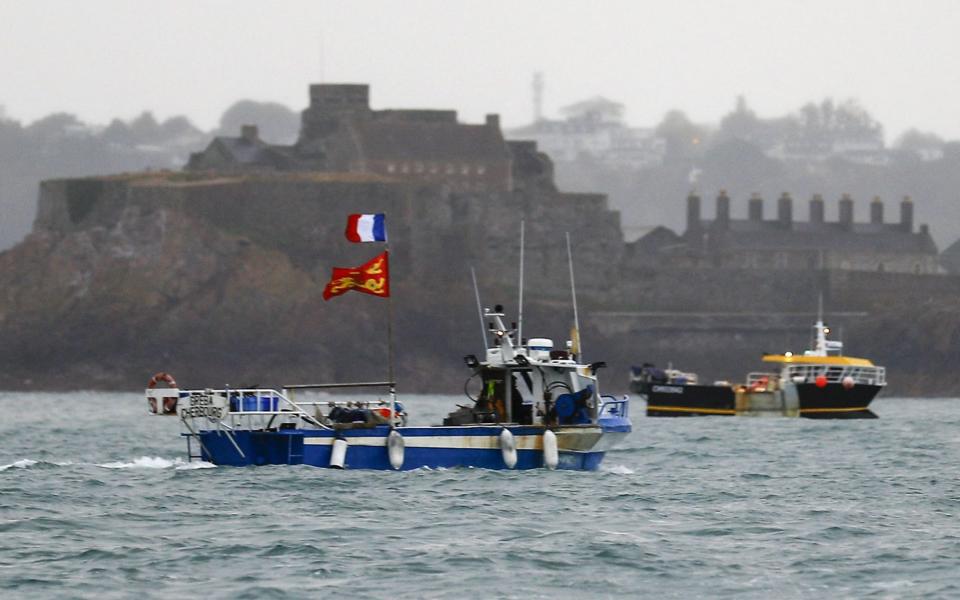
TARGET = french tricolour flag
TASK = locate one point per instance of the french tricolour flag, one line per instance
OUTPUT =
(366, 228)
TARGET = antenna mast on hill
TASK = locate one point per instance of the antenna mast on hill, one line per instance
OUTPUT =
(537, 97)
(322, 60)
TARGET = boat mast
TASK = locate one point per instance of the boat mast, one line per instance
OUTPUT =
(820, 347)
(390, 371)
(573, 292)
(520, 309)
(476, 293)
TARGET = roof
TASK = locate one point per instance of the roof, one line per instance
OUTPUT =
(651, 238)
(849, 361)
(430, 141)
(953, 250)
(241, 150)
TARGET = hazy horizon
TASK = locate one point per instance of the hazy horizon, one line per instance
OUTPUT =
(107, 59)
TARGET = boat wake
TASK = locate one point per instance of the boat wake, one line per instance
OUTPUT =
(156, 462)
(617, 469)
(144, 462)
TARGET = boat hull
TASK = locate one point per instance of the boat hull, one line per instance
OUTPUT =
(580, 447)
(832, 401)
(670, 400)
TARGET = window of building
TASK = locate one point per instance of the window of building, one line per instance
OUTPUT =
(481, 169)
(450, 168)
(391, 168)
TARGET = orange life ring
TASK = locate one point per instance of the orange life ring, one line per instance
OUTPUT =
(161, 376)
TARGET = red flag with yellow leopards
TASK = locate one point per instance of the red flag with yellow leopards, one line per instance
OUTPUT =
(372, 277)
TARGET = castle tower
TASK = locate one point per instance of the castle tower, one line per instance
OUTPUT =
(330, 105)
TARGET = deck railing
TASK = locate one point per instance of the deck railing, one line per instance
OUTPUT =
(611, 406)
(860, 375)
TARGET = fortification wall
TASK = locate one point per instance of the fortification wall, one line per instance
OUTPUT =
(435, 234)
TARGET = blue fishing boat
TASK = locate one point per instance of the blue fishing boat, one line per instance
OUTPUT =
(536, 407)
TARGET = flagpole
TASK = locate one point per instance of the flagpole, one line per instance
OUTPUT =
(393, 383)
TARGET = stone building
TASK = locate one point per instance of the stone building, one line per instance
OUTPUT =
(341, 133)
(786, 243)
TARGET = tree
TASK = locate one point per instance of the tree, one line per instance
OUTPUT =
(683, 138)
(914, 140)
(55, 126)
(741, 124)
(277, 123)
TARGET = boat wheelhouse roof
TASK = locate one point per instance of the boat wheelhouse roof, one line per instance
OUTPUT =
(847, 361)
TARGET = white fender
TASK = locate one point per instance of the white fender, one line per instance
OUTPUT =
(551, 454)
(508, 448)
(395, 447)
(338, 453)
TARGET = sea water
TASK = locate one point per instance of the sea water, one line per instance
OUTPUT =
(97, 500)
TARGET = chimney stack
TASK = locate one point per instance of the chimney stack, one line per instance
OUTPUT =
(816, 209)
(785, 211)
(493, 121)
(693, 212)
(249, 133)
(876, 211)
(755, 207)
(723, 210)
(906, 214)
(846, 212)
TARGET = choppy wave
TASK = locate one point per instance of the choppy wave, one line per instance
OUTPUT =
(719, 508)
(23, 463)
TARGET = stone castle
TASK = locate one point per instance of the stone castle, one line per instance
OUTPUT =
(340, 133)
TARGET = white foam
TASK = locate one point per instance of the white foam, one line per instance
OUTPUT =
(618, 469)
(23, 463)
(190, 466)
(145, 462)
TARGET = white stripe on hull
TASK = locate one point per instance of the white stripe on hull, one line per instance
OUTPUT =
(484, 442)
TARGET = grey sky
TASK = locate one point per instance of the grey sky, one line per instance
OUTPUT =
(106, 58)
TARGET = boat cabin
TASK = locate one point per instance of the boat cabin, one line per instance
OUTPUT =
(527, 383)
